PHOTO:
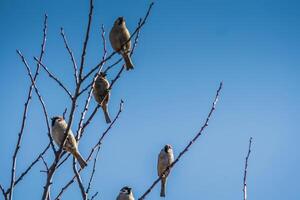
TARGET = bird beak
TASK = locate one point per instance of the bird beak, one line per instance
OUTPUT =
(121, 19)
(103, 74)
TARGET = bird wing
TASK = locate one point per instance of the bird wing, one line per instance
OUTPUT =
(123, 38)
(162, 163)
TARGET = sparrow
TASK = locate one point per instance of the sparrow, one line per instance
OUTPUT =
(125, 194)
(58, 128)
(165, 159)
(101, 94)
(119, 39)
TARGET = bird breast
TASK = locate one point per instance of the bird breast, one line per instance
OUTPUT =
(100, 89)
(58, 131)
(125, 197)
(119, 36)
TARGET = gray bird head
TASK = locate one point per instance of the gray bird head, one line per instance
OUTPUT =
(126, 190)
(56, 118)
(120, 21)
(103, 74)
(167, 148)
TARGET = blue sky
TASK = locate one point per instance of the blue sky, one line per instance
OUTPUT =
(184, 51)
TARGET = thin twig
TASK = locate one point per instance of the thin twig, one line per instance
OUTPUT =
(14, 162)
(63, 189)
(117, 77)
(51, 75)
(3, 191)
(88, 121)
(32, 164)
(79, 181)
(45, 163)
(39, 97)
(245, 170)
(64, 113)
(62, 32)
(86, 88)
(112, 54)
(189, 145)
(93, 197)
(93, 171)
(86, 40)
(112, 65)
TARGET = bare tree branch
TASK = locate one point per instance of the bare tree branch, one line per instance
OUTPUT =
(93, 197)
(32, 164)
(93, 171)
(49, 178)
(62, 32)
(245, 170)
(14, 162)
(189, 145)
(3, 192)
(79, 181)
(39, 97)
(64, 113)
(45, 163)
(86, 39)
(51, 75)
(88, 121)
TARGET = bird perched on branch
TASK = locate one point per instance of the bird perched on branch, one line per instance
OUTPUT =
(125, 194)
(119, 37)
(101, 94)
(165, 159)
(58, 129)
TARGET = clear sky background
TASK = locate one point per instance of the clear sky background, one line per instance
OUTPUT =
(185, 50)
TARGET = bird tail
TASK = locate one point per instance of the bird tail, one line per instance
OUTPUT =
(106, 114)
(80, 160)
(128, 62)
(163, 187)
